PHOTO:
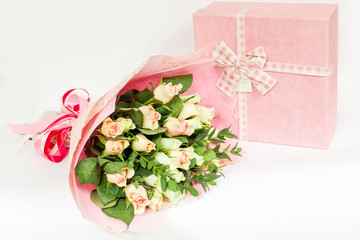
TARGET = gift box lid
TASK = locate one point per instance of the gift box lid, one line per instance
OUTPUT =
(271, 10)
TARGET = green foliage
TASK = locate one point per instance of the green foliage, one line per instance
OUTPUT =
(172, 185)
(121, 211)
(176, 106)
(212, 167)
(114, 167)
(137, 117)
(153, 132)
(96, 199)
(163, 183)
(144, 96)
(107, 191)
(209, 155)
(88, 171)
(193, 191)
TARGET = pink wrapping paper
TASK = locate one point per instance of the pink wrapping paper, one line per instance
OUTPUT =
(301, 109)
(204, 74)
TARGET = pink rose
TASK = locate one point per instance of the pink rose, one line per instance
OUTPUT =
(176, 127)
(150, 117)
(188, 110)
(142, 144)
(120, 179)
(206, 114)
(166, 92)
(111, 129)
(156, 201)
(115, 147)
(181, 157)
(138, 197)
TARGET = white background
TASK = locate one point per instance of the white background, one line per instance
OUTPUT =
(275, 192)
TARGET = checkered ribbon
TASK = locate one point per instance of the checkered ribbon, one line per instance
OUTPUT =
(243, 70)
(239, 72)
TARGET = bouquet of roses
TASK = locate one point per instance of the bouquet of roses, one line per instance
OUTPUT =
(153, 149)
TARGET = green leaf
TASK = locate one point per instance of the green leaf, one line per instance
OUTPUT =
(121, 211)
(192, 163)
(193, 191)
(222, 133)
(145, 95)
(202, 182)
(230, 135)
(176, 106)
(102, 139)
(103, 161)
(130, 165)
(199, 150)
(163, 183)
(212, 167)
(143, 172)
(211, 133)
(216, 141)
(185, 80)
(137, 184)
(172, 185)
(114, 167)
(133, 156)
(211, 176)
(95, 149)
(122, 105)
(137, 118)
(142, 162)
(149, 165)
(182, 139)
(107, 191)
(135, 104)
(121, 193)
(209, 155)
(153, 132)
(202, 136)
(96, 199)
(126, 97)
(212, 183)
(88, 171)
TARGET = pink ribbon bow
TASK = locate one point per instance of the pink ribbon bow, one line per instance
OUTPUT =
(240, 72)
(54, 134)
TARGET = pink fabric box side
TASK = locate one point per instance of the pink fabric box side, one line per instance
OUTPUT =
(301, 109)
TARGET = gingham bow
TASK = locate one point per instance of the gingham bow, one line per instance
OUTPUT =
(239, 73)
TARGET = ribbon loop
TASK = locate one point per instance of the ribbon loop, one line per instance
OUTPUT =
(240, 73)
(53, 140)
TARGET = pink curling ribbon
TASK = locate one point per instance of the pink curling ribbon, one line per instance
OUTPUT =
(54, 134)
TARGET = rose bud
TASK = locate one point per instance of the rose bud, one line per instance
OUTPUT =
(188, 110)
(111, 129)
(127, 123)
(142, 144)
(206, 114)
(115, 147)
(138, 197)
(156, 201)
(120, 179)
(150, 117)
(181, 157)
(166, 92)
(195, 98)
(176, 127)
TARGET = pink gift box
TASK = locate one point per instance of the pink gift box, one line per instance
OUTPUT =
(300, 42)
